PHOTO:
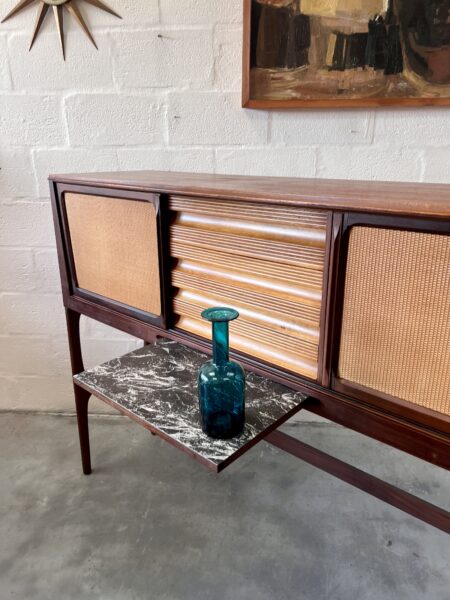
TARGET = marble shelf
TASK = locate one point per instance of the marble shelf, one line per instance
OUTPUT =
(156, 386)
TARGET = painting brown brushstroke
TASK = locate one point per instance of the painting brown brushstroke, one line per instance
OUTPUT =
(349, 49)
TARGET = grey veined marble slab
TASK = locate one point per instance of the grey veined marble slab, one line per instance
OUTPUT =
(157, 386)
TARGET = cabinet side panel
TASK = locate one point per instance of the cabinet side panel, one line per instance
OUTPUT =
(265, 261)
(396, 319)
(115, 249)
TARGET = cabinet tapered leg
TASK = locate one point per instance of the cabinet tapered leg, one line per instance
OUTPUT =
(81, 396)
(73, 332)
(81, 403)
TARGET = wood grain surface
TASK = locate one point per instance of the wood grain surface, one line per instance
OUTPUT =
(265, 261)
(411, 199)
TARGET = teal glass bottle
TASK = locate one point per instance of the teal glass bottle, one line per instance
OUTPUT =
(221, 382)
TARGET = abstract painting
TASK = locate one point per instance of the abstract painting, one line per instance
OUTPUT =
(346, 52)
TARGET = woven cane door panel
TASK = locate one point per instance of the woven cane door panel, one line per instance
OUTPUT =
(115, 249)
(396, 319)
(265, 261)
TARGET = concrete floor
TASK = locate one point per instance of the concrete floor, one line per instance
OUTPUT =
(150, 523)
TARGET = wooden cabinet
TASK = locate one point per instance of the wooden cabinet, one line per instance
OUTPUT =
(343, 288)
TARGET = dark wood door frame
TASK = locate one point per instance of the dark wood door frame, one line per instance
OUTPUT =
(71, 288)
(396, 406)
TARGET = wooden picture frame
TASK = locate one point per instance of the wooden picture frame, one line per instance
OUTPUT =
(435, 94)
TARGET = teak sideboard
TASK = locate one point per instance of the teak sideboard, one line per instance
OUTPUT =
(343, 287)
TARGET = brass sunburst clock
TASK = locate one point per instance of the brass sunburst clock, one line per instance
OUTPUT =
(58, 7)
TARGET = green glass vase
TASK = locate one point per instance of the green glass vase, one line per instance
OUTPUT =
(221, 382)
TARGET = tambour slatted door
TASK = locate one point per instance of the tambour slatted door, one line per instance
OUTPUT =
(267, 261)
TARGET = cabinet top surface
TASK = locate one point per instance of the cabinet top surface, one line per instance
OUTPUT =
(414, 199)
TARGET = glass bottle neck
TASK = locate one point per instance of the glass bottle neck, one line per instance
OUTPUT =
(220, 342)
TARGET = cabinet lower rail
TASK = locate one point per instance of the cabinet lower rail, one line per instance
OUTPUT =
(406, 502)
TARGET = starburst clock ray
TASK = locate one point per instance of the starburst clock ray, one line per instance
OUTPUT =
(58, 8)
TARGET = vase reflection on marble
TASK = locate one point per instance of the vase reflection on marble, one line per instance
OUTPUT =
(221, 382)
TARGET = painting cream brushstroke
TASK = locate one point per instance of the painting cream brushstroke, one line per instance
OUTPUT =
(333, 8)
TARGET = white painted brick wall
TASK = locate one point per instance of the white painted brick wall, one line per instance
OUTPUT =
(162, 92)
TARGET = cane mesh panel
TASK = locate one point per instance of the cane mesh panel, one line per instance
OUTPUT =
(396, 317)
(115, 249)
